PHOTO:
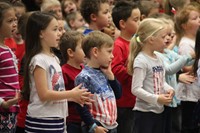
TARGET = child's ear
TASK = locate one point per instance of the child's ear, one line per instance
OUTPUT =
(184, 26)
(70, 52)
(122, 24)
(95, 51)
(93, 17)
(41, 35)
(71, 23)
(151, 39)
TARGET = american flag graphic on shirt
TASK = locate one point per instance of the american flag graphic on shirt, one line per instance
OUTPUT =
(158, 79)
(104, 108)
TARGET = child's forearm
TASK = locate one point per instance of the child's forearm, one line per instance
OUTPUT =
(116, 86)
(7, 104)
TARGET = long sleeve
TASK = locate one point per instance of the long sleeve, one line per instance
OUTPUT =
(85, 114)
(115, 85)
(137, 87)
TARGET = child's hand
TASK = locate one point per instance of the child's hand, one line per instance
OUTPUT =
(81, 96)
(186, 78)
(171, 93)
(100, 129)
(164, 99)
(192, 54)
(108, 72)
(10, 102)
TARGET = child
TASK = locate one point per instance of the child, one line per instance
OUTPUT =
(20, 8)
(73, 56)
(68, 6)
(148, 8)
(98, 78)
(45, 89)
(187, 23)
(75, 20)
(173, 63)
(54, 6)
(97, 14)
(148, 84)
(9, 83)
(125, 15)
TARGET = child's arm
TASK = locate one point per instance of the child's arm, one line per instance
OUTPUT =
(77, 95)
(119, 65)
(10, 102)
(86, 115)
(137, 88)
(116, 86)
(186, 78)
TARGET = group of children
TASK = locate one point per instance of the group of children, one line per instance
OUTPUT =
(94, 81)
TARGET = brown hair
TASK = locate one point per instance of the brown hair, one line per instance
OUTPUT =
(181, 18)
(69, 41)
(96, 39)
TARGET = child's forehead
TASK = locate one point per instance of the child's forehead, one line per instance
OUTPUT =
(106, 46)
(9, 12)
(103, 6)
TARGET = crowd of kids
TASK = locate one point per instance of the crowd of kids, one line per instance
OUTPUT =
(99, 66)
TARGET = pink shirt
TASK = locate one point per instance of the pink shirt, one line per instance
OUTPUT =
(9, 82)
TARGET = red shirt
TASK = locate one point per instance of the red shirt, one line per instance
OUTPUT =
(10, 42)
(119, 68)
(20, 53)
(69, 74)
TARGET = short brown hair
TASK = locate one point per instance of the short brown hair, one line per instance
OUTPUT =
(96, 39)
(69, 41)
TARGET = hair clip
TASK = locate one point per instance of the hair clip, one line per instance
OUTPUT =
(137, 38)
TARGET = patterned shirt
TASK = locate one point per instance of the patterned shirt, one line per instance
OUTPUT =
(104, 108)
(9, 82)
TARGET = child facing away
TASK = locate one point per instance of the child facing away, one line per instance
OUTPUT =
(187, 23)
(96, 13)
(125, 15)
(148, 84)
(45, 89)
(73, 57)
(98, 78)
(9, 83)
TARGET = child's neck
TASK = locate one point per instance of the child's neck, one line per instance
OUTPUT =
(74, 64)
(47, 52)
(92, 64)
(125, 35)
(148, 52)
(191, 36)
(93, 26)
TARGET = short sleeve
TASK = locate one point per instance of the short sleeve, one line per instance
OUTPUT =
(37, 61)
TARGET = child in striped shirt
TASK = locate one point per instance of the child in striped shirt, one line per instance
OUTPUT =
(9, 83)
